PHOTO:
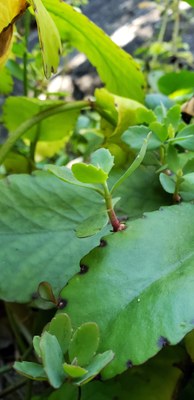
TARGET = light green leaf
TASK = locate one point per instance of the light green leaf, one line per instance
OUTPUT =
(36, 345)
(167, 182)
(74, 371)
(123, 112)
(52, 358)
(103, 159)
(30, 370)
(52, 128)
(38, 218)
(97, 364)
(173, 117)
(6, 81)
(116, 68)
(60, 327)
(49, 38)
(159, 129)
(89, 173)
(145, 287)
(84, 343)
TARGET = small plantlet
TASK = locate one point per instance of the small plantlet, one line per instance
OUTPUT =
(94, 176)
(66, 356)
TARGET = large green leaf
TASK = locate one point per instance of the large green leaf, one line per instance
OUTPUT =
(117, 69)
(38, 218)
(138, 287)
(52, 128)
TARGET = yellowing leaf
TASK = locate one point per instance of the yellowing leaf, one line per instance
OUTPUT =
(9, 12)
(48, 36)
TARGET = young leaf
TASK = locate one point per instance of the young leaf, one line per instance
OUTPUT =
(136, 163)
(52, 358)
(49, 40)
(84, 343)
(45, 291)
(30, 370)
(97, 364)
(89, 173)
(36, 344)
(103, 159)
(66, 175)
(167, 182)
(60, 327)
(74, 371)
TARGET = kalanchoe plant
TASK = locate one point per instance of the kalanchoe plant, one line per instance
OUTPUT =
(65, 355)
(94, 176)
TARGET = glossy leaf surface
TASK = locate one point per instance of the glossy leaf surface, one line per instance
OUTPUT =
(140, 295)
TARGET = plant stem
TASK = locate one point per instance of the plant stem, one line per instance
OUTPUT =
(5, 368)
(162, 29)
(164, 22)
(79, 393)
(13, 388)
(176, 26)
(27, 19)
(25, 126)
(117, 226)
(15, 330)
